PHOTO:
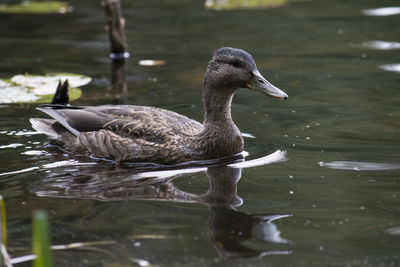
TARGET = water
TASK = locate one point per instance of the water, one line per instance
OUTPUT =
(334, 201)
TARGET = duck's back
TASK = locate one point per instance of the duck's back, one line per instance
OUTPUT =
(144, 122)
(122, 133)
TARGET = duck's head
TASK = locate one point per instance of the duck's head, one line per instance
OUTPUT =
(232, 68)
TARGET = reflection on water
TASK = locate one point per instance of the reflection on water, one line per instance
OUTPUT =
(391, 67)
(381, 45)
(360, 166)
(11, 146)
(393, 231)
(384, 11)
(229, 229)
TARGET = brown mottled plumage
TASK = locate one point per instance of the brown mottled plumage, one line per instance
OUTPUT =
(149, 134)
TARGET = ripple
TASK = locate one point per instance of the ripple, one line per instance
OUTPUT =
(65, 163)
(11, 146)
(34, 152)
(277, 156)
(20, 132)
(381, 45)
(168, 173)
(19, 171)
(384, 11)
(247, 135)
(390, 67)
(359, 166)
(393, 231)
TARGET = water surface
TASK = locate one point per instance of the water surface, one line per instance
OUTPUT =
(334, 201)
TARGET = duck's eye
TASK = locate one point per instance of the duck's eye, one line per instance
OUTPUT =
(236, 63)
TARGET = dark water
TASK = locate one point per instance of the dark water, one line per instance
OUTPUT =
(335, 201)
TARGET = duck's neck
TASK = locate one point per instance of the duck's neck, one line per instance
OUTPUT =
(220, 136)
(217, 106)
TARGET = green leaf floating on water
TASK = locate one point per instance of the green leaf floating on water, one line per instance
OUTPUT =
(243, 4)
(42, 7)
(39, 89)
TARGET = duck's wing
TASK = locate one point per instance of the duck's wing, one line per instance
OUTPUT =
(74, 119)
(126, 120)
(142, 121)
(122, 133)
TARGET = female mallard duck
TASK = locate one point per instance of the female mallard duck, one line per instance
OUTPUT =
(149, 134)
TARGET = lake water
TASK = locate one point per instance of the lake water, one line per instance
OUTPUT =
(333, 201)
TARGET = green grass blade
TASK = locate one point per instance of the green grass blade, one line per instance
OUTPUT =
(3, 222)
(41, 240)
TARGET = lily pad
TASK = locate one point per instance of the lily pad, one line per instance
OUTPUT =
(43, 7)
(243, 4)
(39, 89)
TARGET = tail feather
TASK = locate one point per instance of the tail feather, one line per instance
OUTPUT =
(59, 118)
(61, 96)
(44, 126)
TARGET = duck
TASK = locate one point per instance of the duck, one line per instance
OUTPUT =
(129, 133)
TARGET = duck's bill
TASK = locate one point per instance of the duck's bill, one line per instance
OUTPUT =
(260, 84)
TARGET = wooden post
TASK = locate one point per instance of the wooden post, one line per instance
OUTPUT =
(118, 47)
(119, 69)
(115, 28)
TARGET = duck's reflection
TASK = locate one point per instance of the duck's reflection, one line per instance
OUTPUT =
(230, 230)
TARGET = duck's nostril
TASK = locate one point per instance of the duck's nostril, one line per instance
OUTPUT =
(261, 81)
